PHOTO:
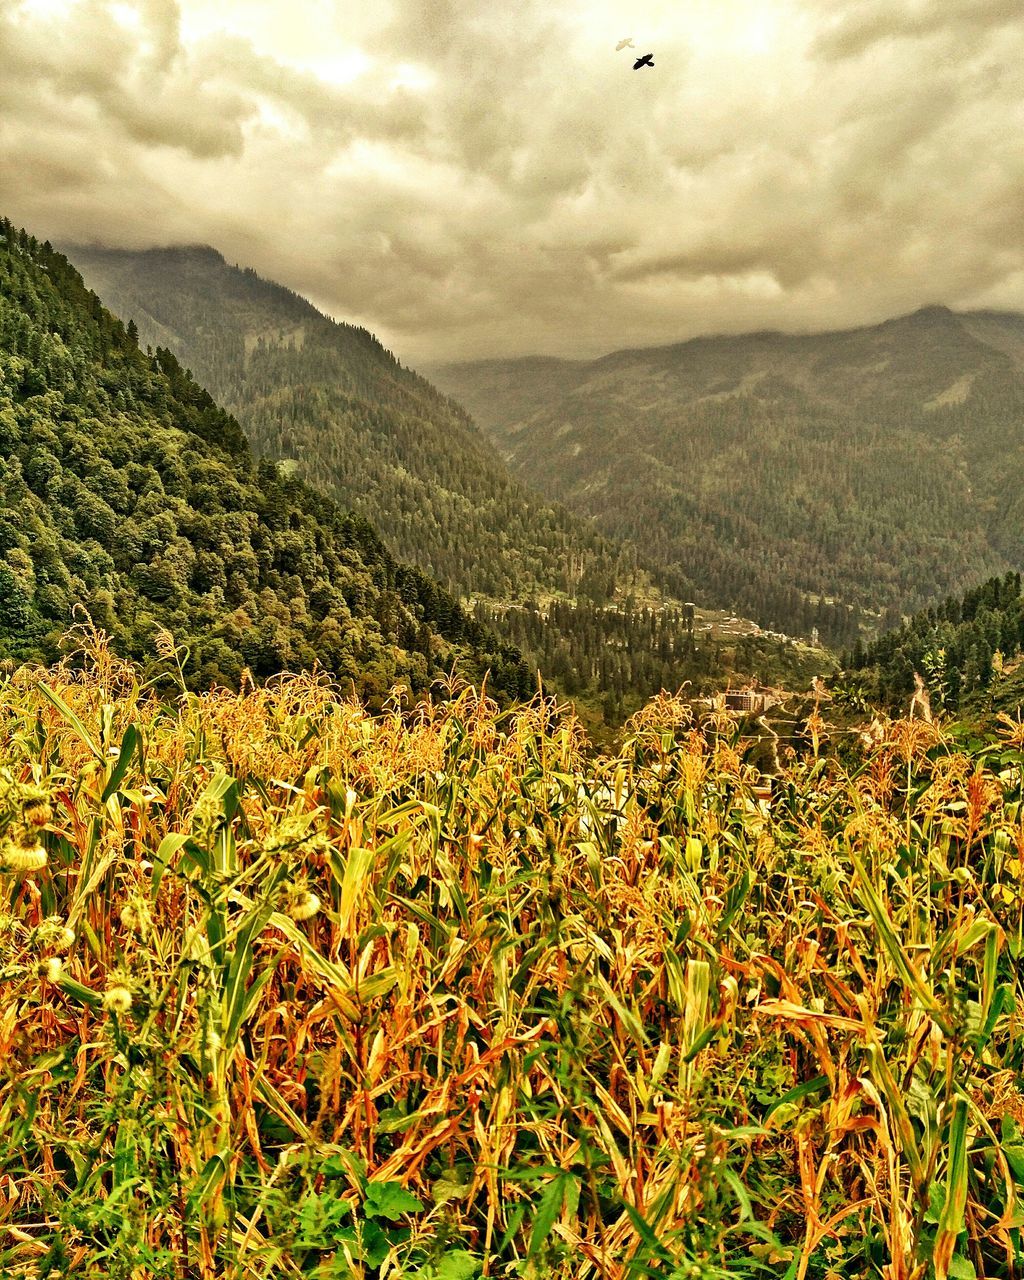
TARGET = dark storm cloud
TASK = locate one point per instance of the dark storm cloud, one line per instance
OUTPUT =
(471, 179)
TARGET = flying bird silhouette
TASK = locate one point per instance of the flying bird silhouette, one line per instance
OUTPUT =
(646, 61)
(625, 44)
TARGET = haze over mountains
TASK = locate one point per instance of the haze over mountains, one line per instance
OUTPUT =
(826, 481)
(329, 404)
(329, 401)
(792, 477)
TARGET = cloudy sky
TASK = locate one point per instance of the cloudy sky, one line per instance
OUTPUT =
(472, 178)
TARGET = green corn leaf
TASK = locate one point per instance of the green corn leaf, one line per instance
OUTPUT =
(897, 1109)
(169, 846)
(130, 743)
(84, 995)
(341, 982)
(883, 923)
(235, 995)
(951, 1220)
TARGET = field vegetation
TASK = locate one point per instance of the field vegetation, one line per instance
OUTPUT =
(292, 990)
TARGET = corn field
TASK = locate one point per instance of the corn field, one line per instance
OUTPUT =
(290, 991)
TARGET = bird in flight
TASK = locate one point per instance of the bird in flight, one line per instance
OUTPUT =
(625, 44)
(646, 61)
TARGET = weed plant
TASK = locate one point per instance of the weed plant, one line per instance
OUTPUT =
(289, 990)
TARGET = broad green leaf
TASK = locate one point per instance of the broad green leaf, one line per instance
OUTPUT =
(458, 1265)
(389, 1200)
(169, 846)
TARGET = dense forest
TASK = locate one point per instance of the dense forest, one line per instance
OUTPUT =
(961, 648)
(328, 401)
(129, 497)
(833, 481)
(331, 405)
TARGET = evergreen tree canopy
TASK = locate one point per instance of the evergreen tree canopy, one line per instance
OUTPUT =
(126, 489)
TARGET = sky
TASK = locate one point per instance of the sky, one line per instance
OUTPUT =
(470, 178)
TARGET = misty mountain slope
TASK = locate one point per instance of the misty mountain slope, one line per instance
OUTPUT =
(127, 492)
(878, 467)
(330, 401)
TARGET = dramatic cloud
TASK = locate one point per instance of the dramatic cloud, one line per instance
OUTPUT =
(470, 179)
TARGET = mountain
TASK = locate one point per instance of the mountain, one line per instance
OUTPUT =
(816, 480)
(329, 404)
(328, 401)
(126, 491)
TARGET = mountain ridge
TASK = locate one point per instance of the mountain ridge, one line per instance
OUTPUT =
(328, 402)
(126, 491)
(768, 459)
(400, 433)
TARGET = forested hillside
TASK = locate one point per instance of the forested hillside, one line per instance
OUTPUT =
(329, 404)
(618, 658)
(965, 649)
(806, 481)
(126, 490)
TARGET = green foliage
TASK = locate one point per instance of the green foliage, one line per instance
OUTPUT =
(126, 490)
(611, 659)
(960, 648)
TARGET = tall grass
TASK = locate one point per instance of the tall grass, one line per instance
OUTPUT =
(305, 992)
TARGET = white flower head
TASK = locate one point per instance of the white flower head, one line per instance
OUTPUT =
(117, 999)
(304, 907)
(135, 916)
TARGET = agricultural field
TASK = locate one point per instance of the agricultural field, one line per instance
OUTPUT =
(290, 990)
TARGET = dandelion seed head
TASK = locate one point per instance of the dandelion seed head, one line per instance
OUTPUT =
(117, 999)
(51, 968)
(135, 916)
(304, 907)
(53, 935)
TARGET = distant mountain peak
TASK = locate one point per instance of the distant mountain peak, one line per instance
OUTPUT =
(933, 312)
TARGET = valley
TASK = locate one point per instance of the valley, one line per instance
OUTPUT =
(327, 403)
(832, 481)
